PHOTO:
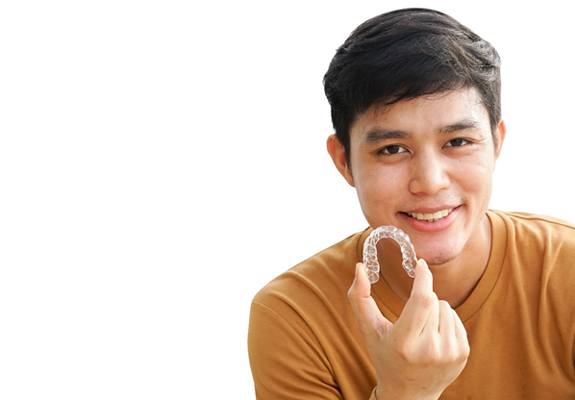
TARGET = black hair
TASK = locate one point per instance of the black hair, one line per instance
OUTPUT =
(405, 54)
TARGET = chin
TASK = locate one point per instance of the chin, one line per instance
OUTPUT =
(437, 256)
(438, 259)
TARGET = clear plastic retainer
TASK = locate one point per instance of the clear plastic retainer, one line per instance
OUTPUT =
(370, 251)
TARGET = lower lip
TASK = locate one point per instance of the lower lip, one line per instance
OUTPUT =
(435, 226)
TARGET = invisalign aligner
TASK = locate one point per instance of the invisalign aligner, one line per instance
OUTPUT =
(370, 261)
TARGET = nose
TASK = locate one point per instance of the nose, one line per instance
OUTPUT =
(429, 174)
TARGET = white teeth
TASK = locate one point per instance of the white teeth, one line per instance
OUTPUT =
(430, 217)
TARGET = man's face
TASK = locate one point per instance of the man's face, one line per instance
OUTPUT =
(425, 165)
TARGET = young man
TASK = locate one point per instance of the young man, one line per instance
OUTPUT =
(415, 100)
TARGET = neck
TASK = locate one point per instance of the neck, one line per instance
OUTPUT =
(453, 280)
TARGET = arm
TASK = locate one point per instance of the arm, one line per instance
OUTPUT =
(274, 350)
(286, 359)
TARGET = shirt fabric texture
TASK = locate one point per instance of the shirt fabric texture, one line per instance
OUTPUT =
(304, 342)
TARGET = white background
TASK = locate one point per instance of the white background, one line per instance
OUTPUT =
(161, 161)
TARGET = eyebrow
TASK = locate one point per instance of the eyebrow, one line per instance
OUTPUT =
(378, 134)
(462, 125)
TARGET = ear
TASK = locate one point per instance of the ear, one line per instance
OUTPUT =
(337, 152)
(500, 132)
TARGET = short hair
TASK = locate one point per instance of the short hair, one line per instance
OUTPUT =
(405, 54)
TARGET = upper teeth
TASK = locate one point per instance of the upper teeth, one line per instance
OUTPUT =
(430, 217)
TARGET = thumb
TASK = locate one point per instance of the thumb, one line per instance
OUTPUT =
(423, 281)
(370, 319)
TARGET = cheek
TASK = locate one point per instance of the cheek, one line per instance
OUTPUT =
(475, 177)
(380, 188)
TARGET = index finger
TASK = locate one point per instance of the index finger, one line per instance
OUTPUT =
(420, 303)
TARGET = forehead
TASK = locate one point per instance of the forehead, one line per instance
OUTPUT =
(423, 114)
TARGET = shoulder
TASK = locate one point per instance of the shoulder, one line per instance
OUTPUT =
(298, 322)
(327, 273)
(539, 245)
(526, 227)
(538, 219)
(324, 271)
(303, 307)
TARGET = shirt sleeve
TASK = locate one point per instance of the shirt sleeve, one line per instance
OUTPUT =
(286, 359)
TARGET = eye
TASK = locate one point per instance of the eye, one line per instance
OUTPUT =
(457, 142)
(391, 150)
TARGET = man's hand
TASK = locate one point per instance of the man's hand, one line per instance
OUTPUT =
(426, 348)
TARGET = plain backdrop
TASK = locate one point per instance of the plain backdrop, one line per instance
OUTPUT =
(160, 161)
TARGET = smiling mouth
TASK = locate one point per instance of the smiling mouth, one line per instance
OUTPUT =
(430, 217)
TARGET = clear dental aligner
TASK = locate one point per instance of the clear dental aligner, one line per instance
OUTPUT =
(370, 251)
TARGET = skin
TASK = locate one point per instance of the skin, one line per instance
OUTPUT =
(433, 152)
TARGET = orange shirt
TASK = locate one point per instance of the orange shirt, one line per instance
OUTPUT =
(520, 318)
